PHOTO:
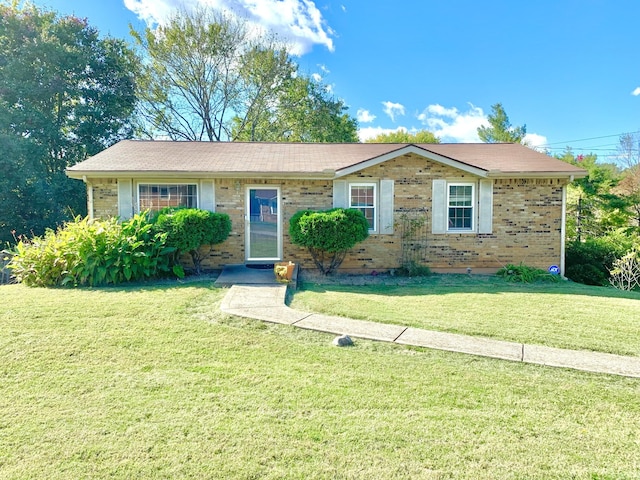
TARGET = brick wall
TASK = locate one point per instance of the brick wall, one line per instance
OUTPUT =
(105, 197)
(526, 224)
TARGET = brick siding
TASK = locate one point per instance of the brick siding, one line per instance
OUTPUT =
(526, 219)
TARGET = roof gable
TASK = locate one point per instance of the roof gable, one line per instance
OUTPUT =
(417, 150)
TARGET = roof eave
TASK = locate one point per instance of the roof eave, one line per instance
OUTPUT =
(550, 174)
(84, 174)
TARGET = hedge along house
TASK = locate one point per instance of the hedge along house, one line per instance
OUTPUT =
(482, 205)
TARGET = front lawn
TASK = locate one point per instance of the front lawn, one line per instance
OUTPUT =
(154, 382)
(564, 315)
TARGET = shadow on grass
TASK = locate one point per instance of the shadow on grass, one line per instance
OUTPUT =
(155, 284)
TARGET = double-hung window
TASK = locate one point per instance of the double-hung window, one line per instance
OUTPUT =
(460, 206)
(362, 196)
(157, 196)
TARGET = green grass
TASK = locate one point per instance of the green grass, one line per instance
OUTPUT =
(154, 382)
(564, 315)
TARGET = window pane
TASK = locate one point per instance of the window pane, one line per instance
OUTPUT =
(460, 195)
(362, 196)
(461, 207)
(368, 214)
(156, 197)
(459, 218)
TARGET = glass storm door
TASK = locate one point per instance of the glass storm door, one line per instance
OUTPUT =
(263, 241)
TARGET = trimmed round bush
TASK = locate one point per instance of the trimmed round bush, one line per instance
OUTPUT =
(328, 234)
(188, 229)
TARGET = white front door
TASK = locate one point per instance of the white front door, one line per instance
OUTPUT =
(263, 224)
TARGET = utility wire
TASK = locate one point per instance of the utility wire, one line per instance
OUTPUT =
(592, 138)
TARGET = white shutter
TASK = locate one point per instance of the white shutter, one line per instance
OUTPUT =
(340, 194)
(207, 196)
(438, 206)
(485, 207)
(386, 207)
(125, 198)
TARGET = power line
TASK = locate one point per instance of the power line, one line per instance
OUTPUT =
(596, 148)
(592, 138)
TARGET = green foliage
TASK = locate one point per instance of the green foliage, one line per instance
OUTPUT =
(629, 186)
(332, 230)
(207, 77)
(500, 129)
(403, 136)
(328, 234)
(593, 206)
(412, 268)
(65, 94)
(188, 229)
(590, 262)
(525, 274)
(306, 113)
(84, 252)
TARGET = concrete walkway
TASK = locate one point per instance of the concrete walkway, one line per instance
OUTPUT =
(267, 303)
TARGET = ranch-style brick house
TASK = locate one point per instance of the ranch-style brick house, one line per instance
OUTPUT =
(485, 205)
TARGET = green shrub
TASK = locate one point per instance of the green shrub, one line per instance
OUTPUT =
(328, 234)
(590, 262)
(84, 252)
(525, 274)
(188, 229)
(412, 268)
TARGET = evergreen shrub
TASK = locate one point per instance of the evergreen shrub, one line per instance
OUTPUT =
(188, 229)
(328, 234)
(590, 261)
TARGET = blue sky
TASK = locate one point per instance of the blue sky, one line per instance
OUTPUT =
(568, 69)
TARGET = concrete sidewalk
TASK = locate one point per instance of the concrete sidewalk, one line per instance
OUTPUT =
(267, 303)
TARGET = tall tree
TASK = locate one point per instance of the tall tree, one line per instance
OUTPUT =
(304, 111)
(64, 94)
(402, 136)
(500, 129)
(207, 77)
(593, 207)
(629, 186)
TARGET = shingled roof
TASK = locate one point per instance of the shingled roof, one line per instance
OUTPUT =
(309, 160)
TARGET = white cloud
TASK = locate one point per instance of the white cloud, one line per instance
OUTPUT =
(636, 92)
(365, 116)
(451, 125)
(316, 77)
(535, 141)
(367, 133)
(441, 111)
(393, 109)
(298, 22)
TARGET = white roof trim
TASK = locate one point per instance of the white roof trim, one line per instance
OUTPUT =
(565, 175)
(326, 175)
(418, 151)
